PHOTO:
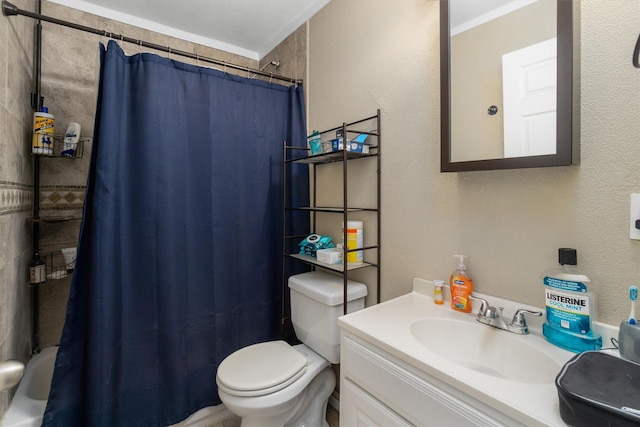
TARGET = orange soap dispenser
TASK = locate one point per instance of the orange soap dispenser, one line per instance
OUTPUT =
(461, 286)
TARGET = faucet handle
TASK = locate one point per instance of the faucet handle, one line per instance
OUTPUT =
(484, 304)
(519, 320)
(493, 312)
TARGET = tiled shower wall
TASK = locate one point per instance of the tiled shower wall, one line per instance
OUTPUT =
(69, 83)
(16, 189)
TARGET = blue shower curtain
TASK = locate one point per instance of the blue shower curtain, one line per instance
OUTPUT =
(180, 252)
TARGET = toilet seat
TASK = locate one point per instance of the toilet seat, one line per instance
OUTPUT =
(260, 369)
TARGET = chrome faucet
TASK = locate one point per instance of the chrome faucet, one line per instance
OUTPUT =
(493, 316)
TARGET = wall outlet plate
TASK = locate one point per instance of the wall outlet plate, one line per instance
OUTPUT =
(634, 215)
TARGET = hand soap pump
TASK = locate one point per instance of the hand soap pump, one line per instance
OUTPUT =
(461, 286)
(570, 307)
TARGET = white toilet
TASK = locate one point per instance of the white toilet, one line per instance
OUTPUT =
(273, 384)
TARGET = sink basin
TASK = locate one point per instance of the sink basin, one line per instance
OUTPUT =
(487, 350)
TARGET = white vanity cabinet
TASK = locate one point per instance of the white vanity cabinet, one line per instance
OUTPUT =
(408, 361)
(379, 389)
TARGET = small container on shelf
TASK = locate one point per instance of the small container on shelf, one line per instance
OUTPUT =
(329, 256)
(315, 143)
(71, 140)
(355, 145)
(37, 269)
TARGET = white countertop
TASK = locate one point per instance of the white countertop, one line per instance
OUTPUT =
(387, 325)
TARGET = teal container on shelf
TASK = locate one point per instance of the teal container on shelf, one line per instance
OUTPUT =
(315, 143)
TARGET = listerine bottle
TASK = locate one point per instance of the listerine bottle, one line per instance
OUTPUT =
(570, 307)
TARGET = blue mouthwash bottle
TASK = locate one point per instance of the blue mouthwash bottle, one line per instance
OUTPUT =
(570, 306)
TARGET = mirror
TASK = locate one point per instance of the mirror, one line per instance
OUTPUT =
(507, 84)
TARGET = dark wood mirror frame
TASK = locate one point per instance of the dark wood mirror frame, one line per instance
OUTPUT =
(567, 125)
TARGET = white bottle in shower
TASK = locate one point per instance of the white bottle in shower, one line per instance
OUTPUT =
(71, 139)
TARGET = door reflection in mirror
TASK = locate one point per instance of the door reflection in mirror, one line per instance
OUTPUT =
(529, 97)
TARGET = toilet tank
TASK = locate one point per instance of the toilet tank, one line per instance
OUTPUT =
(316, 304)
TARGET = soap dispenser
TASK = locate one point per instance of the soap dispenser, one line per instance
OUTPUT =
(461, 286)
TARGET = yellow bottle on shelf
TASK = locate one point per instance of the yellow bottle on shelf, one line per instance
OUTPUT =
(42, 132)
(461, 286)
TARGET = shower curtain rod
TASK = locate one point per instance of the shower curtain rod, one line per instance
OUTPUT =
(9, 9)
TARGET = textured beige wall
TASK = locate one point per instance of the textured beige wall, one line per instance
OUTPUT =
(16, 191)
(367, 54)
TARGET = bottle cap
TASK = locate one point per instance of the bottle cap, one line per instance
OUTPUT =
(44, 109)
(438, 283)
(567, 256)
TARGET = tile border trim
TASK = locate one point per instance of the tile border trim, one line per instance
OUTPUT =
(15, 197)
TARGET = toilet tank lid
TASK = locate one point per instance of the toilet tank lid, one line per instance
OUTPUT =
(326, 288)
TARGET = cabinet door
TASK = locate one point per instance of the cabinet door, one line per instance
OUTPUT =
(412, 395)
(359, 408)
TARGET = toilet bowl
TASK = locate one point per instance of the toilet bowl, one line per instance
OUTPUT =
(274, 384)
(280, 386)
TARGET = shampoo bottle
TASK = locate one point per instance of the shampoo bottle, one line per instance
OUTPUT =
(43, 132)
(570, 307)
(71, 139)
(461, 286)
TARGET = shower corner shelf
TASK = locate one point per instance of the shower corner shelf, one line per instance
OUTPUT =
(362, 126)
(55, 266)
(52, 219)
(58, 148)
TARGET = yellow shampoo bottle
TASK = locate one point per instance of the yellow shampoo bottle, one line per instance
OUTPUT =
(461, 286)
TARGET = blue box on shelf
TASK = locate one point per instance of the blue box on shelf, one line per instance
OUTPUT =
(357, 147)
(353, 146)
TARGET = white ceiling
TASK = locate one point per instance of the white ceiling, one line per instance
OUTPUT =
(466, 14)
(250, 28)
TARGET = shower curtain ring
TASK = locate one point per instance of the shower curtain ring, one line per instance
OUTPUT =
(271, 78)
(169, 47)
(140, 46)
(197, 59)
